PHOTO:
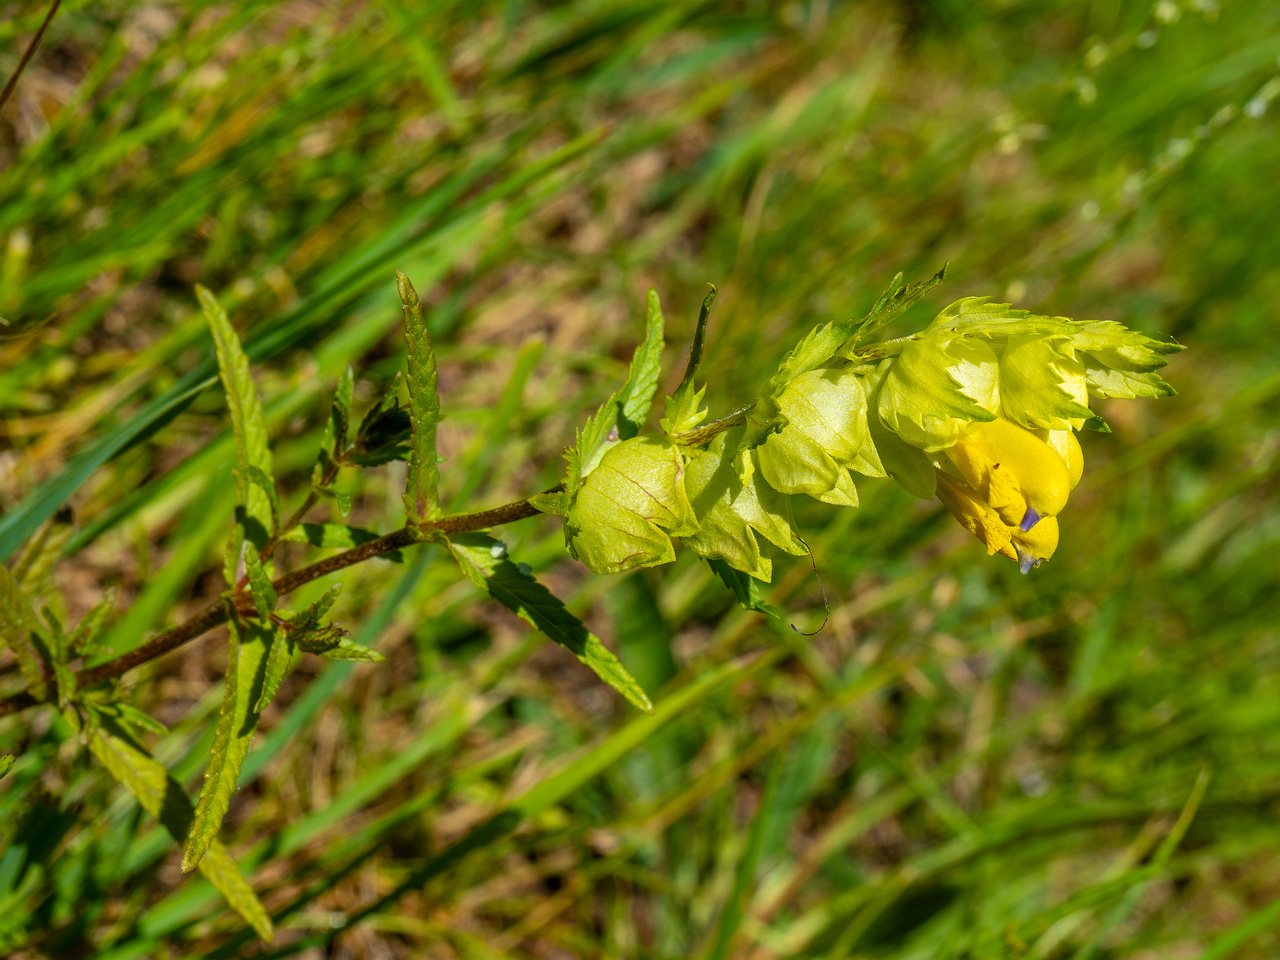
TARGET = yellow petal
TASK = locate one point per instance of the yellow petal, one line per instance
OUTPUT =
(1018, 474)
(975, 516)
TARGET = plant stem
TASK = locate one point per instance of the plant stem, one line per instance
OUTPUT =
(218, 612)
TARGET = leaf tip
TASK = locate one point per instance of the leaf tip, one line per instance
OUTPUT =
(408, 295)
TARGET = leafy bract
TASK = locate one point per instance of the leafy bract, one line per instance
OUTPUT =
(841, 337)
(484, 560)
(826, 413)
(254, 521)
(713, 485)
(628, 508)
(237, 724)
(623, 414)
(421, 496)
(162, 797)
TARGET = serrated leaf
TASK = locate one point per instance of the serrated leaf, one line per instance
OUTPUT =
(279, 659)
(347, 649)
(421, 496)
(6, 763)
(264, 595)
(139, 718)
(894, 302)
(89, 629)
(132, 765)
(311, 617)
(237, 724)
(337, 536)
(623, 414)
(253, 507)
(34, 566)
(484, 561)
(333, 443)
(265, 484)
(1125, 384)
(22, 633)
(841, 337)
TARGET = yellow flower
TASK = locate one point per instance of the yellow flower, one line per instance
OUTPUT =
(1027, 547)
(1013, 483)
(1019, 476)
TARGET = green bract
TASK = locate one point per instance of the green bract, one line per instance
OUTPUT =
(979, 408)
(628, 507)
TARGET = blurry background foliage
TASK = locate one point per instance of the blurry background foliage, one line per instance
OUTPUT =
(964, 763)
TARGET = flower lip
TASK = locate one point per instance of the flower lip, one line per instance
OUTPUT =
(1027, 561)
(1029, 519)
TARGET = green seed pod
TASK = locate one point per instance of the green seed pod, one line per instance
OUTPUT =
(826, 412)
(713, 485)
(628, 508)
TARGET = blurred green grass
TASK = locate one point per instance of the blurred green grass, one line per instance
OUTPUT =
(964, 763)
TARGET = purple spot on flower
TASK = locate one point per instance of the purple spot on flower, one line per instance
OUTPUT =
(1029, 519)
(1026, 561)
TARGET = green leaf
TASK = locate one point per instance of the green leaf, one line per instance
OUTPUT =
(484, 560)
(385, 431)
(264, 595)
(421, 496)
(337, 536)
(840, 338)
(699, 338)
(894, 302)
(628, 509)
(342, 500)
(744, 587)
(279, 660)
(237, 724)
(139, 718)
(332, 642)
(253, 506)
(684, 407)
(22, 633)
(310, 618)
(84, 638)
(34, 566)
(265, 484)
(6, 763)
(333, 444)
(161, 796)
(623, 414)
